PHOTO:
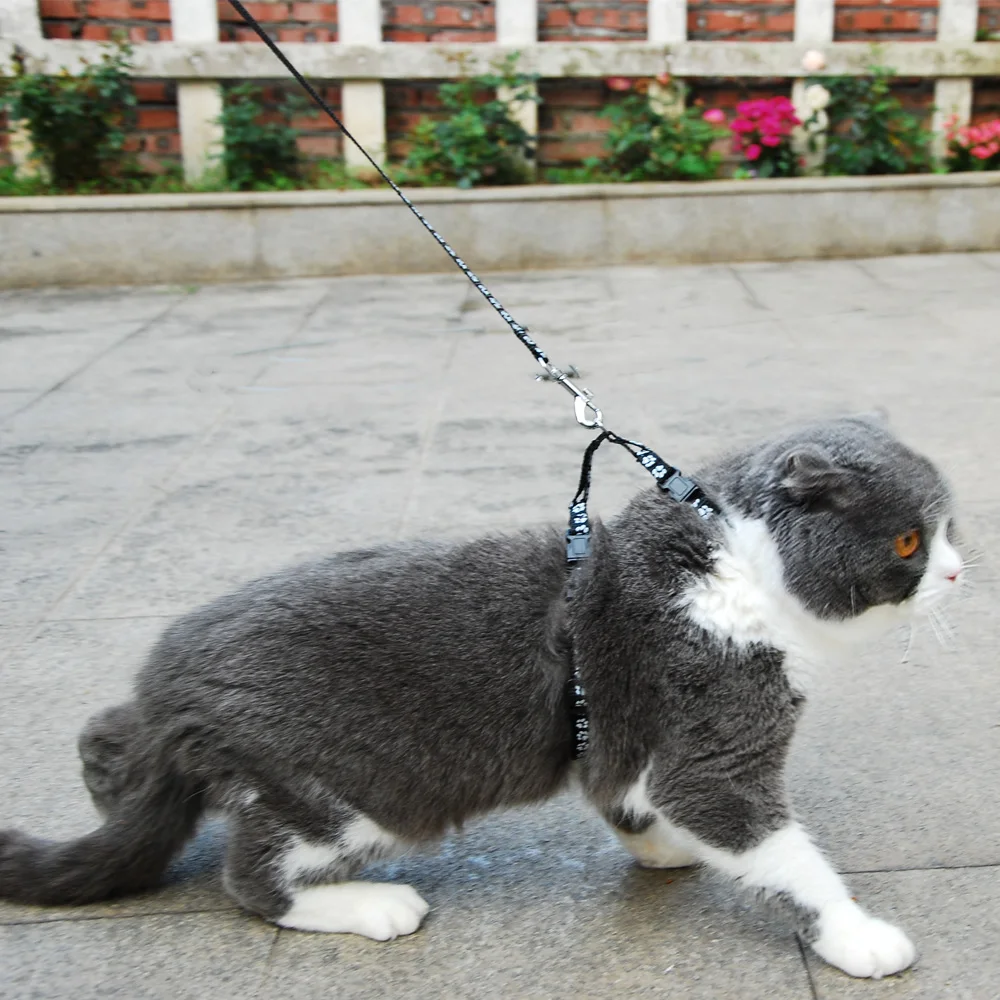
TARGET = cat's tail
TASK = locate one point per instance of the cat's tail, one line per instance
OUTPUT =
(150, 811)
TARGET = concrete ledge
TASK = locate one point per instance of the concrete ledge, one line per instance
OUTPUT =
(231, 236)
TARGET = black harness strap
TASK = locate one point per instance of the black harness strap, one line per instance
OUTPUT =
(672, 482)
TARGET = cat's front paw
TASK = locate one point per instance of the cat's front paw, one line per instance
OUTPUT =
(861, 945)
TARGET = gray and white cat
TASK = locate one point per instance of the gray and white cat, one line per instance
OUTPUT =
(349, 708)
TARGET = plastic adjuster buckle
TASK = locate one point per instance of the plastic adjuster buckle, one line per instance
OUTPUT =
(577, 547)
(679, 487)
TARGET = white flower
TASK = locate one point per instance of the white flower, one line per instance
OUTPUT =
(816, 96)
(813, 61)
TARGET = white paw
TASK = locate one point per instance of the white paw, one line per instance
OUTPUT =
(861, 945)
(652, 850)
(378, 910)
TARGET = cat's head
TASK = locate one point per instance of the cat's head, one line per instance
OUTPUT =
(859, 520)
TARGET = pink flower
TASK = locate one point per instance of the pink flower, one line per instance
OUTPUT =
(714, 115)
(770, 140)
(753, 151)
(618, 83)
(663, 79)
(741, 125)
(981, 152)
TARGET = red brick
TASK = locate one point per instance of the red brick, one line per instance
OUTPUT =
(320, 145)
(320, 35)
(263, 12)
(157, 118)
(404, 35)
(60, 8)
(572, 94)
(151, 10)
(118, 10)
(96, 33)
(556, 19)
(779, 22)
(878, 20)
(311, 12)
(152, 91)
(553, 150)
(457, 17)
(57, 30)
(319, 122)
(407, 15)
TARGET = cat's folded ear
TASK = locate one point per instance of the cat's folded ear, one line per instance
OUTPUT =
(810, 475)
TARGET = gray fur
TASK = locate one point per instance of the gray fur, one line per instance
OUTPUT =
(421, 685)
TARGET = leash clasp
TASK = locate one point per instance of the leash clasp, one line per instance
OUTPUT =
(583, 399)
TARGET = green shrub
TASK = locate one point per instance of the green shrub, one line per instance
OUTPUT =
(480, 142)
(260, 154)
(77, 124)
(650, 141)
(869, 132)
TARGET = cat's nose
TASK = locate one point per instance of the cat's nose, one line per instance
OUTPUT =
(953, 577)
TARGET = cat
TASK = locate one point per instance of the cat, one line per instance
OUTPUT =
(345, 710)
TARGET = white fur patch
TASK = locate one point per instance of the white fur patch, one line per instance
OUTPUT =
(361, 838)
(744, 600)
(378, 910)
(303, 857)
(364, 836)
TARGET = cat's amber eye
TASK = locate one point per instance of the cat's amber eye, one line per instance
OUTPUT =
(907, 545)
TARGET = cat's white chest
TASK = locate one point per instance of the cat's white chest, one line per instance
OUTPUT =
(744, 601)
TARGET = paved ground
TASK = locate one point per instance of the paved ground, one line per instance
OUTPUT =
(161, 445)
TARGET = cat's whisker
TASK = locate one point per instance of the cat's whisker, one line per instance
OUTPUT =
(943, 630)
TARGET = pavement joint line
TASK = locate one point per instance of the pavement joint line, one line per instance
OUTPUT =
(87, 918)
(922, 868)
(805, 963)
(440, 396)
(265, 974)
(151, 489)
(140, 329)
(751, 294)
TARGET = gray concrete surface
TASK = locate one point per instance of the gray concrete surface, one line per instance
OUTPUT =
(160, 445)
(233, 236)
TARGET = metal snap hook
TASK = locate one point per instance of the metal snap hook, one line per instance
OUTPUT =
(581, 404)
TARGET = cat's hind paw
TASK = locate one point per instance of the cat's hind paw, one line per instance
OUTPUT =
(377, 910)
(861, 945)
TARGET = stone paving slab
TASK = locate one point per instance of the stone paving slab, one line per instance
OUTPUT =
(159, 446)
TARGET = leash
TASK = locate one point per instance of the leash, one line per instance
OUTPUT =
(668, 478)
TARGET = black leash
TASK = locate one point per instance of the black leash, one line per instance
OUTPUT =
(670, 480)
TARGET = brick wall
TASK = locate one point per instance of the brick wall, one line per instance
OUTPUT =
(283, 21)
(569, 129)
(439, 21)
(99, 20)
(405, 105)
(871, 21)
(741, 21)
(597, 20)
(156, 138)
